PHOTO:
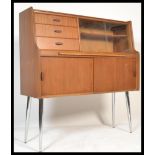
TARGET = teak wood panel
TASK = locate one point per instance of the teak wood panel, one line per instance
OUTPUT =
(29, 57)
(57, 43)
(66, 75)
(104, 74)
(100, 54)
(114, 74)
(55, 20)
(125, 74)
(56, 31)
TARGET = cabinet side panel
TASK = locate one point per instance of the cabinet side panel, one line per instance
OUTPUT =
(29, 57)
(137, 71)
(130, 36)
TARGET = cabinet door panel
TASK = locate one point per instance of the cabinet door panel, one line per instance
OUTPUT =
(66, 75)
(114, 74)
(104, 74)
(125, 74)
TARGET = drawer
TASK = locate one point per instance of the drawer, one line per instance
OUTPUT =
(57, 43)
(56, 31)
(55, 20)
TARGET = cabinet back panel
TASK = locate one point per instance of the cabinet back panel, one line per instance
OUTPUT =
(95, 46)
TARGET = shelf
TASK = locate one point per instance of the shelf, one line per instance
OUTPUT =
(101, 36)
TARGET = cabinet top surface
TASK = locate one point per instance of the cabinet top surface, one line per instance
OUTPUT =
(79, 16)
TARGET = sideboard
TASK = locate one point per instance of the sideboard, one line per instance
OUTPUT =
(65, 54)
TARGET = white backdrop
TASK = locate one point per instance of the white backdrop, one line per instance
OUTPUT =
(99, 105)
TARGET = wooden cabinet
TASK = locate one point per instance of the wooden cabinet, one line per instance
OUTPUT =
(64, 54)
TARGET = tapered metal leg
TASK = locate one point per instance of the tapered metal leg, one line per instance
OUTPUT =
(40, 123)
(128, 110)
(28, 109)
(113, 110)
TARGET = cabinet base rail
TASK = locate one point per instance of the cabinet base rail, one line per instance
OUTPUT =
(28, 111)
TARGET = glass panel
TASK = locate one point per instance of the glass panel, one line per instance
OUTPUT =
(98, 36)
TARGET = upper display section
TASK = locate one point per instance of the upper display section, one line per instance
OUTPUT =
(66, 32)
(98, 36)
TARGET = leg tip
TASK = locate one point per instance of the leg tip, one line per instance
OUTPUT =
(40, 149)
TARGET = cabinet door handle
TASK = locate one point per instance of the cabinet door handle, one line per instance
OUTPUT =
(134, 70)
(59, 43)
(134, 73)
(41, 76)
(57, 31)
(56, 20)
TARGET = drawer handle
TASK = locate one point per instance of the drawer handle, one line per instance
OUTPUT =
(57, 31)
(56, 20)
(59, 43)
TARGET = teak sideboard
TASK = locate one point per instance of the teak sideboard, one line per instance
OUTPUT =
(64, 54)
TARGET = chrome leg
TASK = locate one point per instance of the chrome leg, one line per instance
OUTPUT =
(128, 110)
(113, 110)
(28, 109)
(40, 123)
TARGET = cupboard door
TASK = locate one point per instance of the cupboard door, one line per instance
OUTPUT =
(125, 74)
(114, 74)
(104, 74)
(66, 75)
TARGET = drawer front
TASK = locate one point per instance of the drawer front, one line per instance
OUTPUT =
(56, 31)
(55, 20)
(57, 43)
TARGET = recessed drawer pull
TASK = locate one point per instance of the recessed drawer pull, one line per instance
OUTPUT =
(56, 20)
(57, 31)
(59, 43)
